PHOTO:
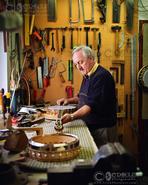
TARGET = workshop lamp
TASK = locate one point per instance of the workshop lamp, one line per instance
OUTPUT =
(10, 20)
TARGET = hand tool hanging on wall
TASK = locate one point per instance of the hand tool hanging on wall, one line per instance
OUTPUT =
(57, 40)
(116, 29)
(71, 21)
(71, 38)
(122, 40)
(121, 63)
(115, 73)
(36, 40)
(99, 47)
(39, 77)
(33, 7)
(48, 35)
(91, 20)
(61, 74)
(122, 74)
(17, 83)
(116, 11)
(45, 72)
(41, 63)
(52, 67)
(69, 91)
(129, 13)
(27, 23)
(78, 36)
(102, 7)
(30, 59)
(17, 39)
(70, 70)
(37, 34)
(133, 77)
(94, 37)
(63, 38)
(87, 30)
(52, 45)
(40, 73)
(5, 35)
(52, 12)
(43, 34)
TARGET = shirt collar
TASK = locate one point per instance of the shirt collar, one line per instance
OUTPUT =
(94, 68)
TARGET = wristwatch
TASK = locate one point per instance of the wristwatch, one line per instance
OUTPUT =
(72, 117)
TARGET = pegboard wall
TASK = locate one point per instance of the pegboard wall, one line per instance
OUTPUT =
(74, 25)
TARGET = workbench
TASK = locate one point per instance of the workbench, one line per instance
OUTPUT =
(37, 169)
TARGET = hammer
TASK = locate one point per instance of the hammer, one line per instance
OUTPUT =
(86, 29)
(94, 36)
(116, 29)
(71, 38)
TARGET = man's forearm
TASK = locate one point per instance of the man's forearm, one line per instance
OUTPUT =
(83, 111)
(74, 100)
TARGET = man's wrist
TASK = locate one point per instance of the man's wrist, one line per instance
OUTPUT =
(72, 117)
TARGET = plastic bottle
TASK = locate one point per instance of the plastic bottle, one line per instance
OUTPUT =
(8, 95)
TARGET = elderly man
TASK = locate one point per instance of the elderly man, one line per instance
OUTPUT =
(96, 99)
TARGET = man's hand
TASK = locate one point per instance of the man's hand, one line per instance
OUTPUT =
(62, 101)
(66, 118)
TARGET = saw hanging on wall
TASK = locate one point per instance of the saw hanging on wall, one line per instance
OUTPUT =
(129, 13)
(116, 11)
(71, 9)
(52, 12)
(91, 5)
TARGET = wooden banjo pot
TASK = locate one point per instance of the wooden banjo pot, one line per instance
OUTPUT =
(54, 147)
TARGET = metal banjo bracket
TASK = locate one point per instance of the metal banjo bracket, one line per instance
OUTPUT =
(58, 124)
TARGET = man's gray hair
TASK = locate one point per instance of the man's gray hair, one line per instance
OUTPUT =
(87, 51)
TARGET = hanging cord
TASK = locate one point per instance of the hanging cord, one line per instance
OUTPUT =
(18, 81)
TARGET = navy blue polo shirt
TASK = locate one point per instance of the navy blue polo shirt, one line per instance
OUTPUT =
(98, 92)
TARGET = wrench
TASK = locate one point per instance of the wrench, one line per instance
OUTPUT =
(52, 47)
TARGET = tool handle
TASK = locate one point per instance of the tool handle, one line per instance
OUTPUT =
(61, 77)
(52, 40)
(86, 38)
(117, 51)
(99, 46)
(48, 36)
(63, 41)
(71, 39)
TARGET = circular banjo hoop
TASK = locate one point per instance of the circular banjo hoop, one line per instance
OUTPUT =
(54, 147)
